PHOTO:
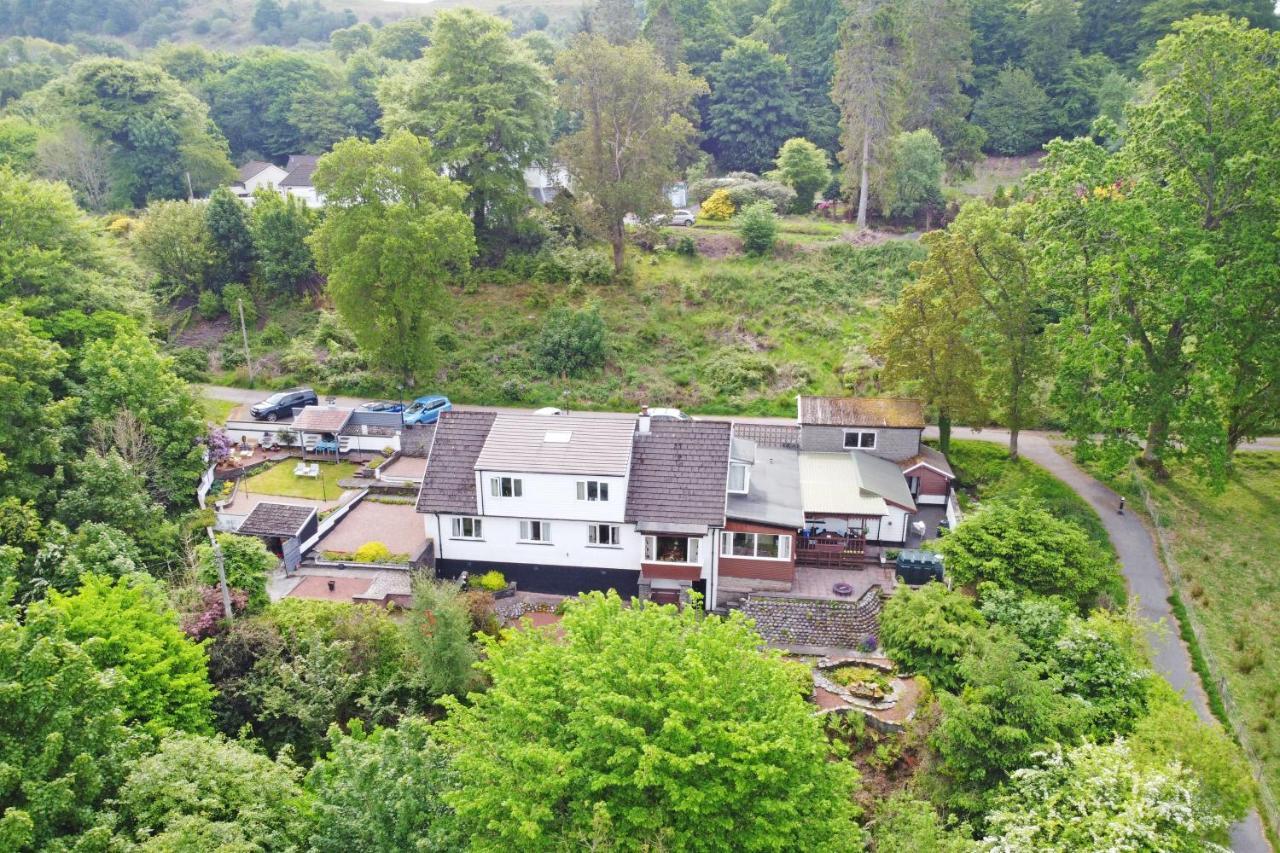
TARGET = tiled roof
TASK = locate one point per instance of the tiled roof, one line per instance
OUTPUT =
(679, 473)
(930, 456)
(450, 482)
(272, 519)
(253, 167)
(861, 412)
(299, 167)
(561, 445)
(321, 419)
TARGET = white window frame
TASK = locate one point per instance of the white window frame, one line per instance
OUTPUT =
(859, 443)
(693, 551)
(726, 546)
(614, 535)
(913, 485)
(527, 530)
(746, 478)
(499, 485)
(460, 525)
(587, 487)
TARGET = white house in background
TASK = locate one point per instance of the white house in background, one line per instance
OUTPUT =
(254, 175)
(545, 183)
(292, 180)
(573, 503)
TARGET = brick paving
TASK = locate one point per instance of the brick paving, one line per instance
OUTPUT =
(398, 526)
(406, 466)
(345, 588)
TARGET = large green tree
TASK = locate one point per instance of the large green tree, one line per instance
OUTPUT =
(939, 71)
(752, 110)
(280, 227)
(703, 736)
(158, 134)
(1160, 254)
(1021, 546)
(172, 243)
(485, 104)
(63, 742)
(227, 220)
(927, 631)
(806, 32)
(632, 126)
(1014, 112)
(128, 626)
(871, 88)
(394, 236)
(206, 793)
(33, 431)
(265, 101)
(383, 791)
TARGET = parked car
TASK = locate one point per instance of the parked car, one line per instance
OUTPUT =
(661, 414)
(426, 410)
(282, 404)
(548, 410)
(381, 406)
(679, 217)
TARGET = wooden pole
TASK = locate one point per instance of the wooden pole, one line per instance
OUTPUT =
(222, 573)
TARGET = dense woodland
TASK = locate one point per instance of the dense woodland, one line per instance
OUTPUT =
(1124, 291)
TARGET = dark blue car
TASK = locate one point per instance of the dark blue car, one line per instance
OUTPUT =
(426, 410)
(381, 406)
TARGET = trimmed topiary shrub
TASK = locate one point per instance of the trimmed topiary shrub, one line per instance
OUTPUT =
(372, 552)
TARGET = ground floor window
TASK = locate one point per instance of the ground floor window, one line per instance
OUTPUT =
(672, 549)
(766, 546)
(466, 528)
(604, 534)
(535, 531)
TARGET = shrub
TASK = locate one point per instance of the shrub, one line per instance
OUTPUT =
(484, 615)
(571, 342)
(273, 334)
(372, 552)
(209, 305)
(731, 371)
(491, 581)
(686, 247)
(191, 364)
(718, 207)
(759, 228)
(571, 265)
(236, 295)
(247, 563)
(744, 188)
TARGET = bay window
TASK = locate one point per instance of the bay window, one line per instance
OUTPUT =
(673, 549)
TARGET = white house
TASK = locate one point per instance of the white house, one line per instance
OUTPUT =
(572, 503)
(254, 175)
(292, 180)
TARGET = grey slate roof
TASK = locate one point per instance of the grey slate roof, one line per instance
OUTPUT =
(861, 412)
(565, 444)
(884, 478)
(272, 519)
(773, 491)
(450, 482)
(679, 473)
(299, 167)
(253, 167)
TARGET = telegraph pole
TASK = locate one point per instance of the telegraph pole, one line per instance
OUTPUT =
(222, 573)
(244, 334)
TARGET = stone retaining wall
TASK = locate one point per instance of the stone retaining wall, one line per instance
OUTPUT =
(815, 622)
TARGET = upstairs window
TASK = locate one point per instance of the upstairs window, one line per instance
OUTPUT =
(506, 487)
(604, 534)
(739, 478)
(466, 528)
(855, 439)
(535, 531)
(593, 490)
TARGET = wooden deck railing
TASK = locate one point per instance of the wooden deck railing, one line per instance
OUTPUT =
(832, 552)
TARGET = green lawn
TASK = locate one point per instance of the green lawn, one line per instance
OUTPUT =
(1226, 544)
(984, 472)
(279, 480)
(216, 411)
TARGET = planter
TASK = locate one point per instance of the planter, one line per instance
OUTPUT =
(507, 592)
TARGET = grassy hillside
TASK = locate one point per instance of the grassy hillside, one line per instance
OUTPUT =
(1225, 546)
(707, 334)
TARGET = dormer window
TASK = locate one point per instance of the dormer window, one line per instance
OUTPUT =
(856, 439)
(593, 490)
(506, 487)
(739, 478)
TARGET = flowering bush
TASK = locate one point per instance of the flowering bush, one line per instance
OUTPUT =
(372, 552)
(207, 620)
(492, 581)
(219, 444)
(718, 208)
